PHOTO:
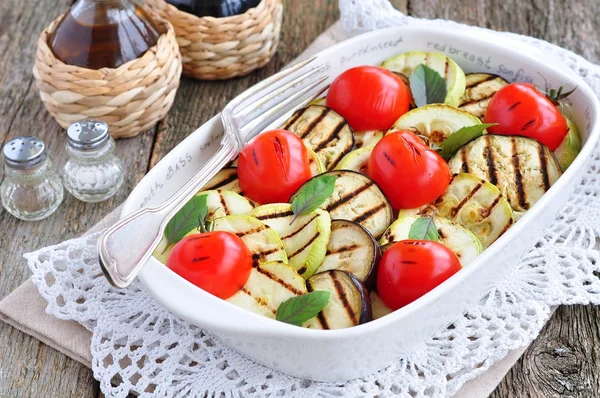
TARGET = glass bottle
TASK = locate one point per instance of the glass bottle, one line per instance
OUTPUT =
(214, 8)
(92, 173)
(95, 34)
(31, 189)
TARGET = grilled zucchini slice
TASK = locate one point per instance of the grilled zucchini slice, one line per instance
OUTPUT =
(455, 77)
(435, 121)
(378, 306)
(304, 240)
(322, 101)
(349, 303)
(324, 131)
(225, 179)
(480, 89)
(351, 248)
(269, 285)
(367, 138)
(570, 147)
(357, 198)
(356, 160)
(314, 162)
(522, 168)
(455, 237)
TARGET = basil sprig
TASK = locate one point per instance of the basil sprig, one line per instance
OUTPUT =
(424, 228)
(192, 215)
(314, 193)
(462, 137)
(427, 86)
(300, 309)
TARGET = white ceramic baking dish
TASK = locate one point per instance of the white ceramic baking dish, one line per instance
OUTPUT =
(336, 355)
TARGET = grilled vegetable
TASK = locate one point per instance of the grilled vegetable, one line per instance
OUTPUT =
(570, 147)
(378, 306)
(315, 163)
(357, 198)
(269, 285)
(356, 160)
(480, 89)
(436, 122)
(225, 179)
(324, 131)
(367, 138)
(349, 303)
(448, 69)
(522, 168)
(304, 240)
(460, 240)
(351, 248)
(319, 101)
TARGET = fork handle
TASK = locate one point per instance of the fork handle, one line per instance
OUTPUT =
(126, 246)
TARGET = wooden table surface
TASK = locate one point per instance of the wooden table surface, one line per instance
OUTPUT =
(563, 361)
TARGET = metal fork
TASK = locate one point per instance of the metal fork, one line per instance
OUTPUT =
(125, 247)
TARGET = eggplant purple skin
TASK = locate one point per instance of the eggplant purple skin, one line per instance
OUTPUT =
(366, 312)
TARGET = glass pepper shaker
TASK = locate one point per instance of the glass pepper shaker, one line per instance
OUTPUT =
(31, 189)
(92, 173)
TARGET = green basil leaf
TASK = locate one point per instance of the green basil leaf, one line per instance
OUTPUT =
(424, 229)
(313, 194)
(427, 86)
(462, 137)
(187, 218)
(300, 309)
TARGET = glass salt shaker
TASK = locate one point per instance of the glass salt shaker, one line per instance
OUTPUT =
(31, 189)
(92, 173)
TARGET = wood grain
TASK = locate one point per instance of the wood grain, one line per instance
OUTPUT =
(562, 362)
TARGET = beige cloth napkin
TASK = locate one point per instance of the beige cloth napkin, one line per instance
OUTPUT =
(73, 340)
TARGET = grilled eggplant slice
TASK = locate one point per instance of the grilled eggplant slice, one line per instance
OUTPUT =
(435, 121)
(269, 285)
(455, 237)
(367, 138)
(351, 248)
(455, 77)
(324, 131)
(349, 303)
(379, 308)
(357, 198)
(226, 179)
(356, 160)
(570, 147)
(304, 240)
(522, 168)
(480, 89)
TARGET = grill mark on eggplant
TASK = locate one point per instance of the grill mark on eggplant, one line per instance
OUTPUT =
(333, 135)
(292, 234)
(320, 315)
(487, 79)
(513, 106)
(490, 161)
(528, 124)
(314, 123)
(521, 196)
(369, 213)
(488, 211)
(465, 163)
(251, 231)
(342, 249)
(544, 167)
(300, 250)
(222, 183)
(468, 196)
(275, 215)
(292, 119)
(343, 298)
(334, 205)
(280, 281)
(223, 203)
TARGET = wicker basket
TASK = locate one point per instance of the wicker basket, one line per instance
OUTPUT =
(130, 98)
(221, 48)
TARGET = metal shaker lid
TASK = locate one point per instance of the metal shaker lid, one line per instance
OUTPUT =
(88, 134)
(24, 152)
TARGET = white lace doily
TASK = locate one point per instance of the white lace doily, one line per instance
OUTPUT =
(143, 348)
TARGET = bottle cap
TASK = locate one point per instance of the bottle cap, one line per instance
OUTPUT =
(88, 134)
(24, 152)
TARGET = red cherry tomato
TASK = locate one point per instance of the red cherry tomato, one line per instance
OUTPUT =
(521, 109)
(369, 98)
(411, 268)
(218, 262)
(409, 173)
(273, 166)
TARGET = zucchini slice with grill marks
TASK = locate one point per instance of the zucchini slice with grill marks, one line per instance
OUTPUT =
(351, 248)
(314, 162)
(349, 303)
(304, 240)
(522, 168)
(356, 160)
(480, 89)
(570, 147)
(435, 121)
(357, 198)
(269, 285)
(226, 178)
(448, 69)
(378, 306)
(455, 237)
(324, 131)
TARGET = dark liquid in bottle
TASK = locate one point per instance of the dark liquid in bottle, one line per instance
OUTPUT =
(214, 8)
(100, 37)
